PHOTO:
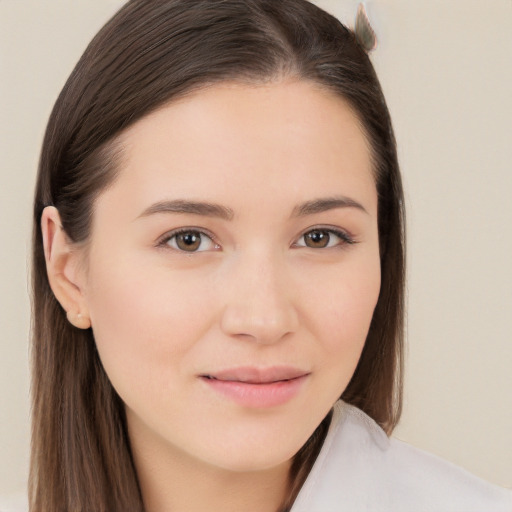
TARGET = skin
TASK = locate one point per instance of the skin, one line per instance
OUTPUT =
(255, 294)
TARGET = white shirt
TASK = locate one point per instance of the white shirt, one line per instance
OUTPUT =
(360, 469)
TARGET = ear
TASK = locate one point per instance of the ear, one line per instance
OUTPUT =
(65, 275)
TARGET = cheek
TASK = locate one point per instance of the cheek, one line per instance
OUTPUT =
(341, 314)
(144, 323)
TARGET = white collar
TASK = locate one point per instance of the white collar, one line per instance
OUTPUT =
(360, 469)
(355, 424)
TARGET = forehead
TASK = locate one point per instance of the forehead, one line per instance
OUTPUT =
(233, 139)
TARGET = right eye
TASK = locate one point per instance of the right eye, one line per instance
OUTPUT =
(189, 240)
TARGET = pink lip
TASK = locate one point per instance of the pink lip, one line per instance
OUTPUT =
(256, 387)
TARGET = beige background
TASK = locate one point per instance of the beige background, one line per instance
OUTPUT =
(445, 67)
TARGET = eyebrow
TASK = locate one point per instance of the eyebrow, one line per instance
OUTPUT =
(206, 209)
(325, 204)
(189, 207)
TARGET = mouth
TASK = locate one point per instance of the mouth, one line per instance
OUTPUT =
(257, 388)
(253, 375)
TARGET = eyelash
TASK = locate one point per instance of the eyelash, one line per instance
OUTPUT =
(164, 241)
(346, 239)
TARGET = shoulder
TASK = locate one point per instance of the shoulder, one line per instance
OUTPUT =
(361, 468)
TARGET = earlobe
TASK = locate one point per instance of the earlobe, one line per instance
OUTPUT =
(62, 266)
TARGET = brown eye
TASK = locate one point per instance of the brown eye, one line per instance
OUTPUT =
(190, 241)
(323, 238)
(317, 239)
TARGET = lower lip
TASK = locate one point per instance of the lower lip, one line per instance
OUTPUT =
(246, 394)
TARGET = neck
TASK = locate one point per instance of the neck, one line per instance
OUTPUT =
(192, 490)
(173, 480)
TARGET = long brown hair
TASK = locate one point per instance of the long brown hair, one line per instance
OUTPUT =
(148, 54)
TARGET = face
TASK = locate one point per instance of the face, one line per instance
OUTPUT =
(233, 271)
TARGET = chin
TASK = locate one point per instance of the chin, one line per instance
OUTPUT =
(251, 462)
(256, 451)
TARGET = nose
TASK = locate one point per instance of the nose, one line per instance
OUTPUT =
(260, 304)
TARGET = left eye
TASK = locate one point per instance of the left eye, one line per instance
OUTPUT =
(190, 241)
(323, 238)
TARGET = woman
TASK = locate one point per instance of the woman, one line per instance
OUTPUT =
(218, 258)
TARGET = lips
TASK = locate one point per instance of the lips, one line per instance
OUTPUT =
(252, 387)
(253, 375)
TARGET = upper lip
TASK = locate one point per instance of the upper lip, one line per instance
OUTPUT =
(255, 375)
